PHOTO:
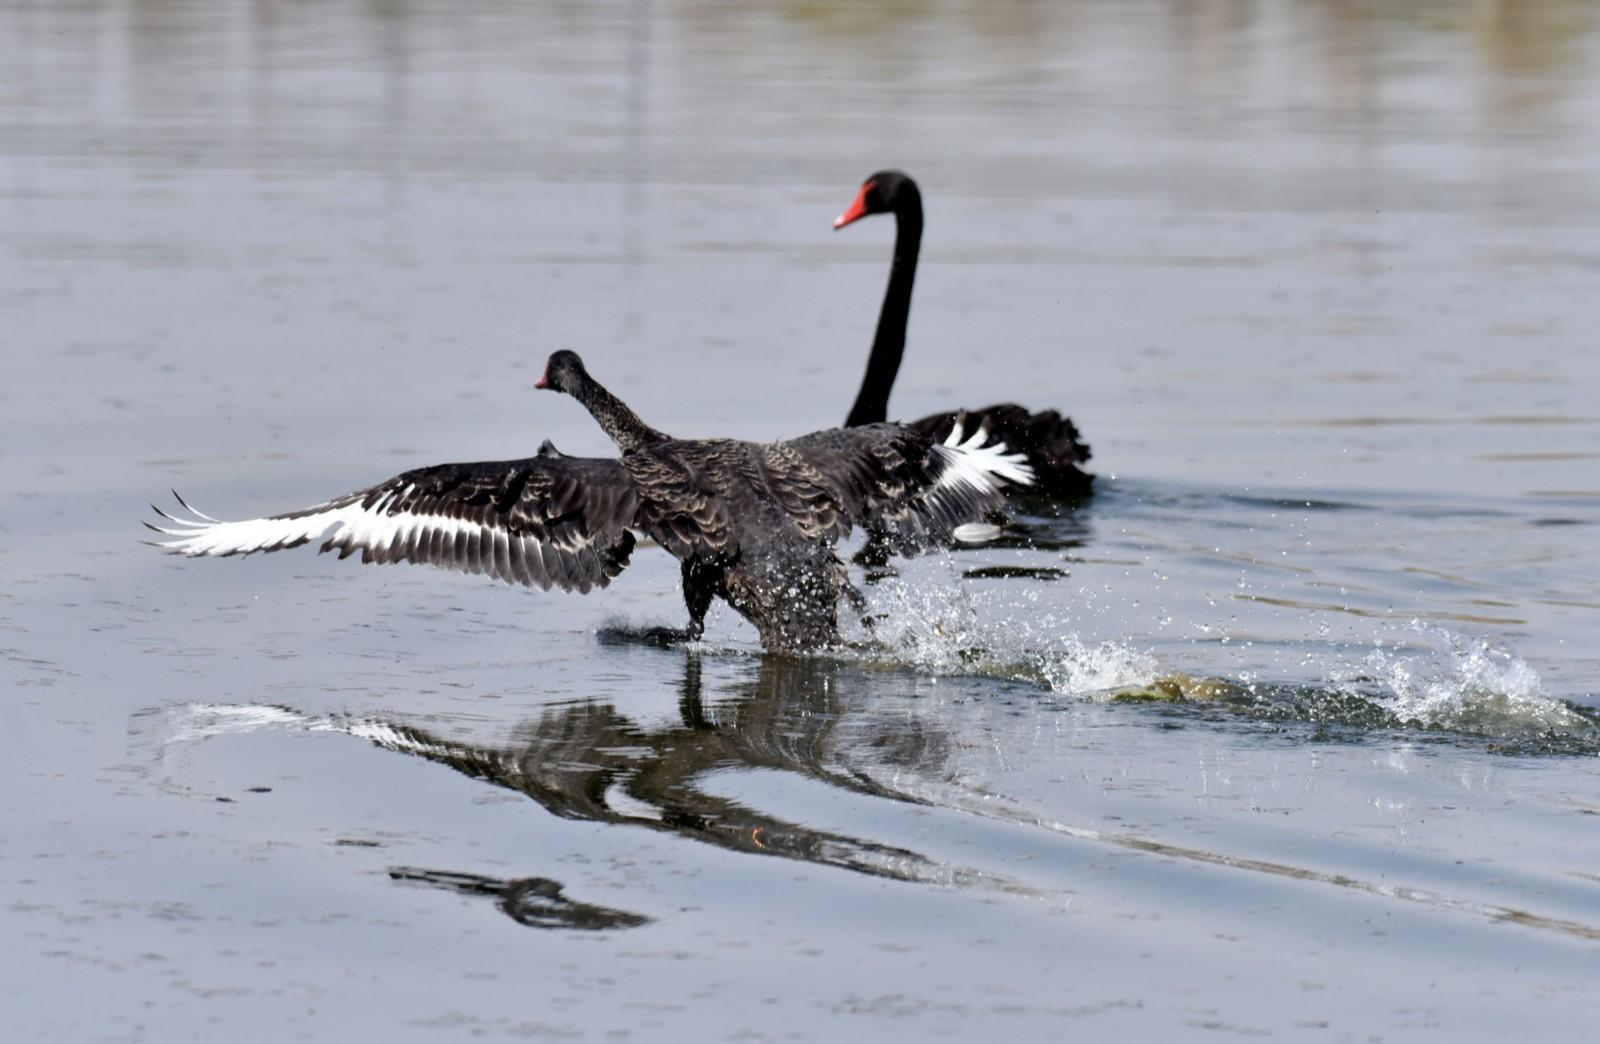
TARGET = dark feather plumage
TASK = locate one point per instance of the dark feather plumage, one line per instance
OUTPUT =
(541, 522)
(886, 479)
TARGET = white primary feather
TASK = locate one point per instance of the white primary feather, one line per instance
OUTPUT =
(974, 464)
(203, 535)
(348, 522)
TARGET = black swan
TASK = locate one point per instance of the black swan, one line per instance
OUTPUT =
(1048, 440)
(753, 524)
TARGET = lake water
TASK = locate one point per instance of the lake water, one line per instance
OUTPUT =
(1291, 730)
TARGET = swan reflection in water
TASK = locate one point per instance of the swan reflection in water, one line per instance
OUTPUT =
(589, 761)
(534, 901)
(807, 717)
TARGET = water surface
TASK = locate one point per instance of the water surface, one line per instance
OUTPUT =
(1291, 730)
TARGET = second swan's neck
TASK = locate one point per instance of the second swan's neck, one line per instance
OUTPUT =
(872, 401)
(613, 415)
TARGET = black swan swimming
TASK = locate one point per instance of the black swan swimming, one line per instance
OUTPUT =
(752, 523)
(1048, 440)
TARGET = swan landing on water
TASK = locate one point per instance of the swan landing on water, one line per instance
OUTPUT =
(754, 524)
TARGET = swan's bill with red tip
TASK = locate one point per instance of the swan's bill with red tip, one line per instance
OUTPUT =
(857, 210)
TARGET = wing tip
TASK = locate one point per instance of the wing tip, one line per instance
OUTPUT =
(193, 511)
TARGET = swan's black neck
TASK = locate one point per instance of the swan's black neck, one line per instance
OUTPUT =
(872, 401)
(621, 423)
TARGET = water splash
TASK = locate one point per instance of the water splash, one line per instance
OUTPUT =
(1432, 679)
(1453, 681)
(952, 629)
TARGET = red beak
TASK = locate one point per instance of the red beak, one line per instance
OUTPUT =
(855, 211)
(544, 379)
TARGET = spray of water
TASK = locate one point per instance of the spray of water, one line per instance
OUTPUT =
(1447, 680)
(1428, 677)
(951, 629)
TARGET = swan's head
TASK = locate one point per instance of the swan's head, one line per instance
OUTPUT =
(563, 372)
(884, 192)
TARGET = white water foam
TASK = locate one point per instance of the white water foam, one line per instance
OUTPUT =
(951, 629)
(1430, 677)
(193, 722)
(1461, 683)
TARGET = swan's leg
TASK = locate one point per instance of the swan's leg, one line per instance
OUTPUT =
(858, 602)
(875, 552)
(853, 595)
(698, 589)
(667, 635)
(699, 585)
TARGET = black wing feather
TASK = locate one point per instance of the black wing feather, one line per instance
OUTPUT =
(542, 521)
(885, 478)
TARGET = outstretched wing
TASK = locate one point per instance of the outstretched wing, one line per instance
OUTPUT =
(895, 482)
(544, 521)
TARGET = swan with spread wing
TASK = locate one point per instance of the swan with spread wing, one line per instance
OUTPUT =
(754, 524)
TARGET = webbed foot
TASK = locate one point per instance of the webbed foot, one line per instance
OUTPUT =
(669, 635)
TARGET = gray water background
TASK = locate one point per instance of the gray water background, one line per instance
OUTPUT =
(1314, 279)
